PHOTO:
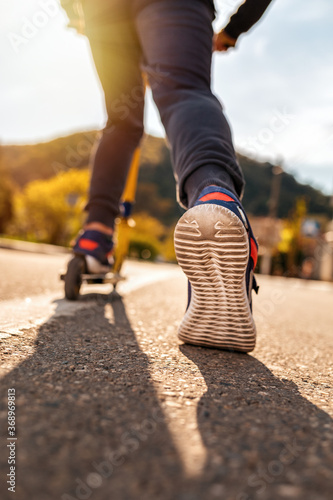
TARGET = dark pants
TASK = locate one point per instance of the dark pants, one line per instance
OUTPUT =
(171, 41)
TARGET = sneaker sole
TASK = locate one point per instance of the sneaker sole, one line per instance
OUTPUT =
(212, 248)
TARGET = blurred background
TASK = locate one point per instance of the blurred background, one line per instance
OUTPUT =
(276, 88)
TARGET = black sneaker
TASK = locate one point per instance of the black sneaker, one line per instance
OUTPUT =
(217, 251)
(97, 248)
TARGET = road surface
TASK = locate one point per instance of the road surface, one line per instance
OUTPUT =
(110, 405)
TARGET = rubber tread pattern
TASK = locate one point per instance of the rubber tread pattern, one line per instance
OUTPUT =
(212, 248)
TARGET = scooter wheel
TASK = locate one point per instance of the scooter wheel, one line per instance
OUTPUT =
(73, 277)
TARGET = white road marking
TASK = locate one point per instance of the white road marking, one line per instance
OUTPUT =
(20, 314)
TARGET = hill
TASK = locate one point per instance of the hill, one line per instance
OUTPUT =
(156, 192)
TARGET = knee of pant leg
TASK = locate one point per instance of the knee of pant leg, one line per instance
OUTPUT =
(130, 125)
(127, 112)
(173, 100)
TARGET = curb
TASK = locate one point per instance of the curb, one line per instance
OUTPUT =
(27, 246)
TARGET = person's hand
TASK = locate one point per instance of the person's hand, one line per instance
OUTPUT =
(222, 41)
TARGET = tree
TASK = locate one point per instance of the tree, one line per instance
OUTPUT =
(146, 236)
(6, 196)
(51, 211)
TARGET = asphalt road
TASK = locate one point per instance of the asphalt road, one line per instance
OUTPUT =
(110, 405)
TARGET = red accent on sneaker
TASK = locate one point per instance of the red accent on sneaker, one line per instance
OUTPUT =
(216, 196)
(88, 244)
(254, 252)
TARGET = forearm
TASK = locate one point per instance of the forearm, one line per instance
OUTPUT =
(247, 15)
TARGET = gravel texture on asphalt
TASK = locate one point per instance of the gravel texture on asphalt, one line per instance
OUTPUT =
(110, 405)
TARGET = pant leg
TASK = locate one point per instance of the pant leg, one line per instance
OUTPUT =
(117, 57)
(176, 39)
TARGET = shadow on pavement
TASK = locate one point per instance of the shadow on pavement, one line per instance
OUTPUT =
(88, 418)
(263, 439)
(90, 425)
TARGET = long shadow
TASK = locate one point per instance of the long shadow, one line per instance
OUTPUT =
(90, 425)
(263, 439)
(88, 419)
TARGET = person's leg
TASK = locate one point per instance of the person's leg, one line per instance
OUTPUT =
(214, 243)
(176, 39)
(117, 56)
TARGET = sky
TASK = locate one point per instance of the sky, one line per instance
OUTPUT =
(276, 86)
